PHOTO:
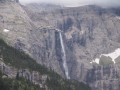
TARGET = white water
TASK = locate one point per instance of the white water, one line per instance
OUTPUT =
(64, 57)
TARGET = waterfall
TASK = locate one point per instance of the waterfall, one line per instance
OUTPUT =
(64, 57)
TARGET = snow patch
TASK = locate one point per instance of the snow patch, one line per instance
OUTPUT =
(6, 30)
(112, 55)
(118, 17)
(95, 61)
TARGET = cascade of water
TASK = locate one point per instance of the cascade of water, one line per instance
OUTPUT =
(64, 57)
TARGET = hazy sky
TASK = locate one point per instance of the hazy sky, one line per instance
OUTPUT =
(76, 2)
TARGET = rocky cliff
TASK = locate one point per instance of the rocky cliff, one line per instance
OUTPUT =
(87, 33)
(104, 77)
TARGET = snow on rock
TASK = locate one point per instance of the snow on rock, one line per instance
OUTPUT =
(95, 61)
(118, 17)
(6, 30)
(112, 55)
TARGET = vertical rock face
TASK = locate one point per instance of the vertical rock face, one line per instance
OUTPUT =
(87, 32)
(104, 77)
(46, 47)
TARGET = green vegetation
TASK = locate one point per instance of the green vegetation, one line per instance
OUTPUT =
(17, 84)
(105, 60)
(20, 60)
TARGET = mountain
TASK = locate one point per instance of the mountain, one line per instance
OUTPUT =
(17, 70)
(41, 7)
(76, 42)
(88, 32)
(20, 72)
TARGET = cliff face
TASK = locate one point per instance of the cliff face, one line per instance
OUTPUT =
(87, 32)
(104, 77)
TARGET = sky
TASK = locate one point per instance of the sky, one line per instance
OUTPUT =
(75, 3)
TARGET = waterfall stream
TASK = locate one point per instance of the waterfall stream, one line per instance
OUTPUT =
(64, 57)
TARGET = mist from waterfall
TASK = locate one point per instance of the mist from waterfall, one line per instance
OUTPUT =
(64, 57)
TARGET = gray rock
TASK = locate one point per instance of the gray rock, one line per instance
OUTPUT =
(88, 32)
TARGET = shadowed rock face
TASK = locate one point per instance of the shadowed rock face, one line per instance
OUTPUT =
(104, 77)
(87, 31)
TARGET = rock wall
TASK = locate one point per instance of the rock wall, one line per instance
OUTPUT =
(104, 77)
(88, 32)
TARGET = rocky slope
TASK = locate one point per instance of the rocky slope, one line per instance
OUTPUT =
(41, 7)
(25, 74)
(87, 32)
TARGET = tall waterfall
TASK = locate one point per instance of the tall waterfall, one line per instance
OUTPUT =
(64, 57)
